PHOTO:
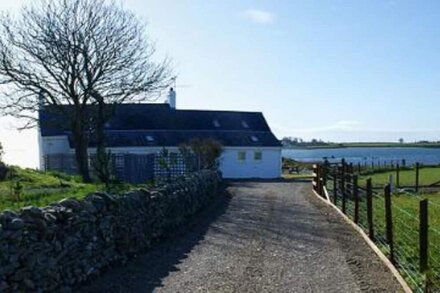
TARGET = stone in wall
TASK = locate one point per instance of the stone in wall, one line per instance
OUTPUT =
(60, 246)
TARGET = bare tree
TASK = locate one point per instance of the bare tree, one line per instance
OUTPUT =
(83, 53)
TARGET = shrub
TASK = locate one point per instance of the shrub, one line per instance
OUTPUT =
(3, 167)
(206, 152)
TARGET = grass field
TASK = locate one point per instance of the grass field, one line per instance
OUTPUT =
(298, 176)
(427, 176)
(42, 188)
(296, 170)
(405, 212)
(364, 145)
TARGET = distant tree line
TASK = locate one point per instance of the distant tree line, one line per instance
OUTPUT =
(297, 141)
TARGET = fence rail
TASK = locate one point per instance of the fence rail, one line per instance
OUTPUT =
(402, 226)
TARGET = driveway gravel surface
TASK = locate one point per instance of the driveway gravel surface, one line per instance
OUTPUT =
(258, 237)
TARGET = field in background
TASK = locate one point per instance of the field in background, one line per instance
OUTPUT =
(293, 169)
(407, 177)
(335, 145)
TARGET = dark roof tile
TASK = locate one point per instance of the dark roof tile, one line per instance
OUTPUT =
(132, 123)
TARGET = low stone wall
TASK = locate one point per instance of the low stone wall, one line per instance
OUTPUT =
(57, 247)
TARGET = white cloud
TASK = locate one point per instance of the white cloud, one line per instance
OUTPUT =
(259, 16)
(345, 125)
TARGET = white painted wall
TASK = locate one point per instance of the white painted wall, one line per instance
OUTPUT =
(268, 167)
(53, 145)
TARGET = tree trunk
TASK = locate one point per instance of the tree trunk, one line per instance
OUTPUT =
(81, 155)
(102, 158)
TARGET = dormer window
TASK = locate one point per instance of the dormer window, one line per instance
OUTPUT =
(149, 138)
(244, 124)
(216, 123)
(254, 138)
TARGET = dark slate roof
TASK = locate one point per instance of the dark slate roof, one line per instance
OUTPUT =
(160, 125)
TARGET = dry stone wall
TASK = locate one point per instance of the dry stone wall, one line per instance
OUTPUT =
(55, 248)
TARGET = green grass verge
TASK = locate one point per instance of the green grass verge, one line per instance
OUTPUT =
(40, 188)
(298, 176)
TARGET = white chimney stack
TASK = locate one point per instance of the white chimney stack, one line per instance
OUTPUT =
(172, 98)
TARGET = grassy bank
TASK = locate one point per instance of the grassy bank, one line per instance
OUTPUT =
(25, 187)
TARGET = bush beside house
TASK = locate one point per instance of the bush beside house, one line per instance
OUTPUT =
(59, 246)
(3, 167)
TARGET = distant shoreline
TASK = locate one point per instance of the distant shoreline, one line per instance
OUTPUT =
(364, 145)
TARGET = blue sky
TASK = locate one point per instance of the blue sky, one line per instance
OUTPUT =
(338, 70)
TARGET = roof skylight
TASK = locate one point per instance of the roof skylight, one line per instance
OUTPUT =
(254, 138)
(216, 123)
(244, 124)
(149, 138)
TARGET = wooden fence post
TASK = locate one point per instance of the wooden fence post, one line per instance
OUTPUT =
(359, 167)
(318, 179)
(417, 176)
(315, 178)
(322, 172)
(342, 187)
(321, 181)
(423, 235)
(397, 175)
(324, 176)
(350, 168)
(356, 198)
(335, 186)
(389, 221)
(370, 209)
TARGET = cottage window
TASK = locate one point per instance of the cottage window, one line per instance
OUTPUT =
(258, 155)
(216, 123)
(241, 156)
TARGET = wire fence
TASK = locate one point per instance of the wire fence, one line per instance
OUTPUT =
(406, 228)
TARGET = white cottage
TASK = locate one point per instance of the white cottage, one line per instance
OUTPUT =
(250, 149)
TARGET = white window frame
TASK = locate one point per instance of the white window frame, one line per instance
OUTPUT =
(241, 154)
(255, 156)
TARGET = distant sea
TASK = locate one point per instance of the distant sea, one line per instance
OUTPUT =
(367, 155)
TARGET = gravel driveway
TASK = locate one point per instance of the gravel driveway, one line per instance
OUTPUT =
(259, 237)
